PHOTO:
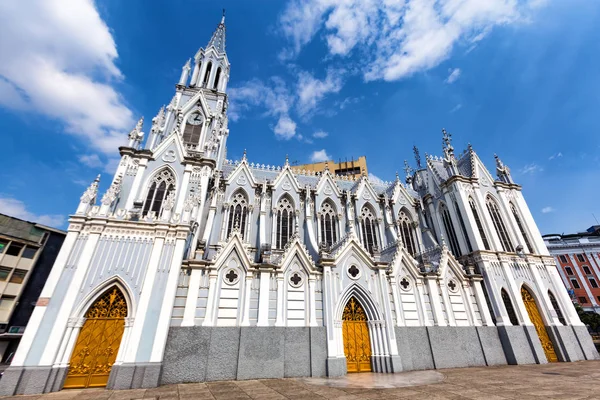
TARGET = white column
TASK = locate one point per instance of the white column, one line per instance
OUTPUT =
(194, 80)
(279, 321)
(146, 294)
(312, 301)
(164, 318)
(60, 323)
(125, 340)
(466, 295)
(70, 343)
(246, 306)
(263, 299)
(211, 301)
(40, 309)
(449, 309)
(420, 300)
(515, 292)
(135, 186)
(397, 304)
(328, 309)
(60, 356)
(183, 188)
(434, 300)
(191, 301)
(486, 317)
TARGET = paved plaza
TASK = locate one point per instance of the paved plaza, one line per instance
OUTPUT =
(580, 380)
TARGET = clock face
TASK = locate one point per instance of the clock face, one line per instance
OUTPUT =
(195, 119)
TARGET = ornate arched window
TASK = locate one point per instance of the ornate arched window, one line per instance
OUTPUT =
(521, 228)
(237, 214)
(329, 223)
(207, 75)
(407, 232)
(499, 224)
(217, 77)
(486, 244)
(284, 222)
(368, 228)
(193, 128)
(450, 232)
(556, 308)
(160, 193)
(509, 308)
(463, 227)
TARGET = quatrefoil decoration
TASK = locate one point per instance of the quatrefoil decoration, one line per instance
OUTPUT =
(296, 280)
(354, 272)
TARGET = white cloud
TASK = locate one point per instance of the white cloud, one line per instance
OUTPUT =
(285, 128)
(531, 169)
(547, 210)
(58, 58)
(375, 179)
(320, 134)
(348, 101)
(91, 160)
(16, 208)
(319, 156)
(397, 38)
(454, 75)
(557, 155)
(311, 90)
(456, 108)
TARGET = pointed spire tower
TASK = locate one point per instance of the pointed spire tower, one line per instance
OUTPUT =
(211, 69)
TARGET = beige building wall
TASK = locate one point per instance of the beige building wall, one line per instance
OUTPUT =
(353, 168)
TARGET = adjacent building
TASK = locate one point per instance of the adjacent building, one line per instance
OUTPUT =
(27, 252)
(353, 169)
(577, 256)
(194, 268)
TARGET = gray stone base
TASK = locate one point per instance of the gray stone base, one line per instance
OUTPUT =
(585, 342)
(515, 343)
(200, 354)
(414, 348)
(134, 376)
(491, 345)
(565, 342)
(336, 366)
(536, 346)
(24, 380)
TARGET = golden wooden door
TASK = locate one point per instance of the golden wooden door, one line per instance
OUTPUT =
(357, 345)
(538, 322)
(98, 342)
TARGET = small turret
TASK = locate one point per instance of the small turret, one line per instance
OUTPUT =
(502, 171)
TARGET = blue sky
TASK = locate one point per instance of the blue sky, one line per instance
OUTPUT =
(312, 79)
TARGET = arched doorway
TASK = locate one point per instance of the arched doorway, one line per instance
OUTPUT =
(355, 331)
(98, 343)
(538, 322)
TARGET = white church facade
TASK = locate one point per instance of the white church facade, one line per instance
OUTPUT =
(193, 268)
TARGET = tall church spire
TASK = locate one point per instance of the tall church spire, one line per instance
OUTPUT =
(218, 38)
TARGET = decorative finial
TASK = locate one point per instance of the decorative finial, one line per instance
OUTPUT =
(287, 160)
(244, 156)
(326, 165)
(417, 157)
(223, 18)
(398, 176)
(97, 179)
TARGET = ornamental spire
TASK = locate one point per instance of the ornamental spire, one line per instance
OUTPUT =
(218, 38)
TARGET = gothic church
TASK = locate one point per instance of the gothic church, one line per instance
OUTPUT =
(195, 268)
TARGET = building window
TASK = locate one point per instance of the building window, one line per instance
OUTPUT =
(583, 300)
(6, 302)
(207, 75)
(499, 225)
(450, 233)
(407, 232)
(193, 128)
(486, 244)
(238, 213)
(569, 271)
(329, 223)
(18, 276)
(14, 249)
(285, 222)
(580, 258)
(4, 272)
(29, 252)
(586, 269)
(557, 310)
(163, 184)
(593, 283)
(217, 77)
(563, 259)
(3, 244)
(521, 228)
(368, 227)
(462, 226)
(598, 297)
(575, 284)
(509, 308)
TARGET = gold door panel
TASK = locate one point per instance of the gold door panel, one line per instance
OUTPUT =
(355, 331)
(98, 342)
(538, 322)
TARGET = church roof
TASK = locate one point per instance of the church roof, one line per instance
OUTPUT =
(218, 38)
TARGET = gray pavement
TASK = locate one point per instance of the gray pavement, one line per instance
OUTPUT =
(580, 380)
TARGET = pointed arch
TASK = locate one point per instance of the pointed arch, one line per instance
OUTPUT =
(556, 308)
(328, 223)
(217, 78)
(207, 74)
(372, 310)
(284, 220)
(369, 227)
(100, 289)
(407, 231)
(510, 310)
(494, 210)
(521, 227)
(449, 228)
(161, 187)
(237, 214)
(480, 228)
